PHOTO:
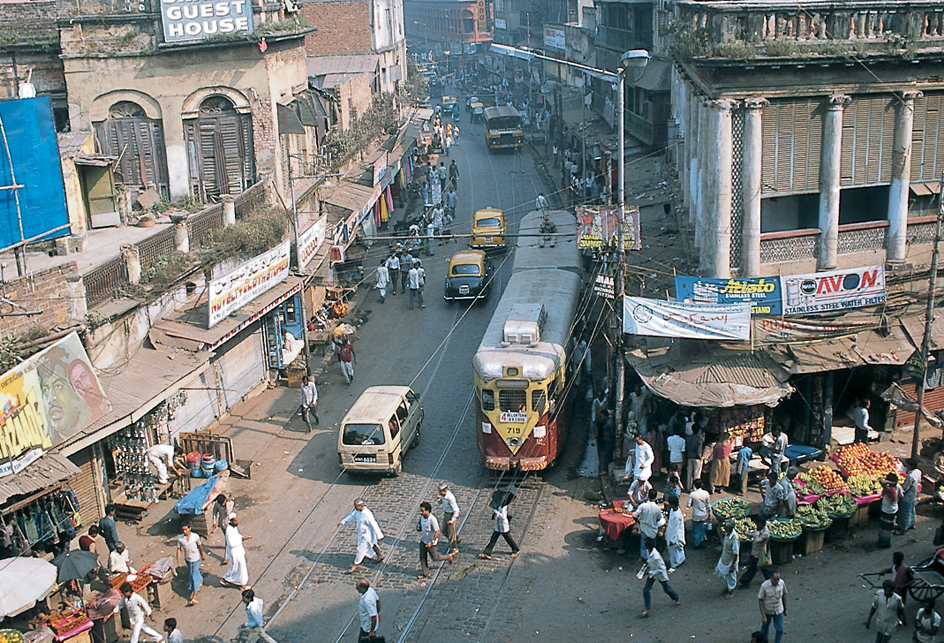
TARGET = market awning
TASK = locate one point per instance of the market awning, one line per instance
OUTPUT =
(136, 387)
(925, 189)
(876, 347)
(44, 472)
(191, 324)
(710, 377)
(914, 326)
(656, 77)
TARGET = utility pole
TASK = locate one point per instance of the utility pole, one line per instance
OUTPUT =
(619, 376)
(928, 319)
(298, 263)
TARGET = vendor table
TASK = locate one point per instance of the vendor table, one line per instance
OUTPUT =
(614, 522)
(142, 581)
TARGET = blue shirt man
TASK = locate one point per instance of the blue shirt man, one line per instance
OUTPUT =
(743, 465)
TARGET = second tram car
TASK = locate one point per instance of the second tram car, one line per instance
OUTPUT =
(520, 368)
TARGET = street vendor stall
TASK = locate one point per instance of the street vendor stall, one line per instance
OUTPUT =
(616, 520)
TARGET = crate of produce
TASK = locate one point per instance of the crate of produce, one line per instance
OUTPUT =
(781, 551)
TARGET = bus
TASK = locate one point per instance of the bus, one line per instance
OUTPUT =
(503, 128)
(521, 369)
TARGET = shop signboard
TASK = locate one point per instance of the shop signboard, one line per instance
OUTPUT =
(773, 330)
(763, 294)
(554, 38)
(45, 400)
(482, 20)
(657, 318)
(380, 167)
(237, 288)
(309, 242)
(597, 228)
(604, 286)
(500, 23)
(188, 20)
(835, 291)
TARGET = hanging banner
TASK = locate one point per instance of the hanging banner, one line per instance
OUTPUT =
(310, 241)
(46, 400)
(771, 330)
(762, 294)
(826, 292)
(597, 228)
(657, 318)
(237, 288)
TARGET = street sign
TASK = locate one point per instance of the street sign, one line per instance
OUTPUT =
(604, 286)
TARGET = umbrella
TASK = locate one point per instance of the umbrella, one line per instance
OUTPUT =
(23, 581)
(75, 564)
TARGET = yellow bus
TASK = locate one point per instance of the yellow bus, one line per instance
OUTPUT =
(503, 128)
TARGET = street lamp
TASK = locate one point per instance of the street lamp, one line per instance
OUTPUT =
(635, 59)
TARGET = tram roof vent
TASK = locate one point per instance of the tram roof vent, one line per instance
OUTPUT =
(523, 326)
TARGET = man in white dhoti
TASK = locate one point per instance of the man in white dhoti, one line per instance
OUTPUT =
(238, 573)
(644, 460)
(368, 534)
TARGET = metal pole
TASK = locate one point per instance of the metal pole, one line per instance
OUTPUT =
(928, 319)
(298, 266)
(620, 376)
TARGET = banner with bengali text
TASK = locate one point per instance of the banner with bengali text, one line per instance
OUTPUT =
(237, 288)
(657, 318)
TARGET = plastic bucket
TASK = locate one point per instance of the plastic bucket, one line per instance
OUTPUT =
(193, 462)
(209, 461)
(221, 465)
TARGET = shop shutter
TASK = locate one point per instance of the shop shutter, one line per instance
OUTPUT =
(242, 367)
(139, 144)
(84, 486)
(792, 140)
(868, 138)
(202, 406)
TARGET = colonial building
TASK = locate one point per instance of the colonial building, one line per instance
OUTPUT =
(449, 22)
(810, 139)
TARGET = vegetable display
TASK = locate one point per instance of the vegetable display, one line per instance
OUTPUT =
(822, 480)
(785, 529)
(813, 516)
(839, 505)
(731, 508)
(865, 484)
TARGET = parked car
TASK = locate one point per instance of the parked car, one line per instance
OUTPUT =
(468, 276)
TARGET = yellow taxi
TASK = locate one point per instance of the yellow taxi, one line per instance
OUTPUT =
(489, 229)
(468, 276)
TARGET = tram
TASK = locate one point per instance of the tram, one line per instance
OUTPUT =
(521, 366)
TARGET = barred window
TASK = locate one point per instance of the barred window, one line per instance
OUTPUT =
(488, 400)
(538, 400)
(512, 400)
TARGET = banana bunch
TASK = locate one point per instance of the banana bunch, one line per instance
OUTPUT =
(865, 484)
(731, 508)
(813, 516)
(839, 505)
(744, 528)
(785, 529)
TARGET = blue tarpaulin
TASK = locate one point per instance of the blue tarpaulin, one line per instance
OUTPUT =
(193, 503)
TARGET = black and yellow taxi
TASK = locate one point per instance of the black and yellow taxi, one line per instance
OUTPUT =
(468, 276)
(488, 229)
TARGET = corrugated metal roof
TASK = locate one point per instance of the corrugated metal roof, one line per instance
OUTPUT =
(351, 64)
(46, 471)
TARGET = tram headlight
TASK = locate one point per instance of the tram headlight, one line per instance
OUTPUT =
(486, 427)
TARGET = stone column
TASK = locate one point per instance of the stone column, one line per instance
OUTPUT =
(132, 263)
(181, 233)
(897, 250)
(751, 175)
(685, 127)
(720, 187)
(702, 195)
(78, 303)
(691, 151)
(829, 176)
(229, 210)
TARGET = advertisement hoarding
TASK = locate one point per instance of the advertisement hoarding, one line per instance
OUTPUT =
(45, 400)
(657, 318)
(32, 154)
(310, 241)
(237, 288)
(554, 38)
(835, 291)
(763, 293)
(596, 228)
(198, 19)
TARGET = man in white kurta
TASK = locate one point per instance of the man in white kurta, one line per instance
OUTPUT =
(644, 460)
(238, 573)
(675, 534)
(368, 533)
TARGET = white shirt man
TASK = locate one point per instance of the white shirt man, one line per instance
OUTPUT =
(119, 561)
(138, 610)
(676, 444)
(383, 280)
(368, 609)
(450, 515)
(366, 526)
(649, 517)
(161, 456)
(644, 460)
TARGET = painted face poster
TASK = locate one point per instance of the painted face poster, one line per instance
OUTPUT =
(46, 400)
(597, 228)
(834, 291)
(763, 293)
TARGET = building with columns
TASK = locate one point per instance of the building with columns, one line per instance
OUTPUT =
(810, 138)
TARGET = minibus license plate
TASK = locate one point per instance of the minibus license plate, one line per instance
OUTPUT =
(365, 458)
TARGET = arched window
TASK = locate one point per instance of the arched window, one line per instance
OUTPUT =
(219, 145)
(138, 142)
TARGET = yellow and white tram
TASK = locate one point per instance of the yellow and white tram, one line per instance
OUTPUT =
(520, 368)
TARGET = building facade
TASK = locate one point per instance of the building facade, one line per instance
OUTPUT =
(810, 140)
(449, 22)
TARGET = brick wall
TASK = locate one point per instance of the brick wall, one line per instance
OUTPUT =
(29, 20)
(343, 26)
(46, 291)
(263, 136)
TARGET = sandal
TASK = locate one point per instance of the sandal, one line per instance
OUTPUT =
(485, 556)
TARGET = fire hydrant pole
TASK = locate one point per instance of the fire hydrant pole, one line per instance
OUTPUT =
(928, 319)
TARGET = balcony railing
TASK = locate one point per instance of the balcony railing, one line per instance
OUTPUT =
(862, 237)
(898, 24)
(790, 245)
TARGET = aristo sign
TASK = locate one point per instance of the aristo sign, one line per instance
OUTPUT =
(198, 19)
